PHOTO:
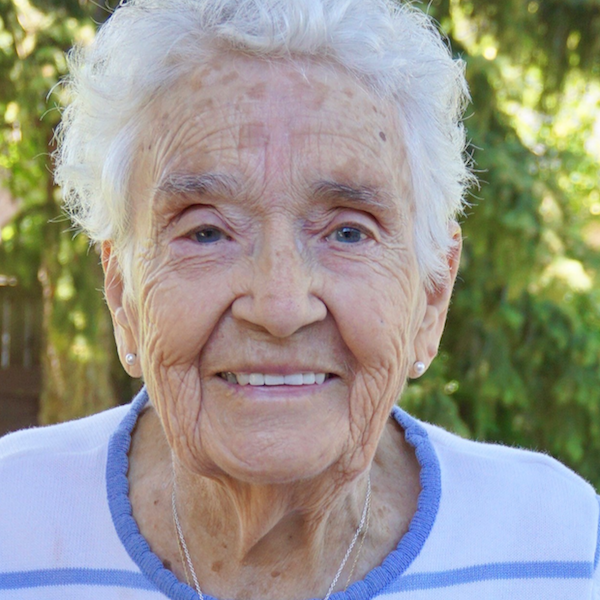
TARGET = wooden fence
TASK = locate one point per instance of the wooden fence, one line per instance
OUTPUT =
(20, 345)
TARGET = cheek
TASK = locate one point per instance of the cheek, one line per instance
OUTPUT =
(375, 320)
(177, 316)
(375, 316)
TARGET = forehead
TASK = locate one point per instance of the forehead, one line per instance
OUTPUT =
(276, 123)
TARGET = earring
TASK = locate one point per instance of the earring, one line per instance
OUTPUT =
(419, 368)
(130, 358)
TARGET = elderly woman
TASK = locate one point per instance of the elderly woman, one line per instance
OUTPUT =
(274, 185)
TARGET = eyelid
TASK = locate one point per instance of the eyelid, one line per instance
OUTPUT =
(189, 208)
(188, 224)
(354, 217)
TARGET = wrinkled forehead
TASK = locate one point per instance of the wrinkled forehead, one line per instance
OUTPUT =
(274, 121)
(320, 84)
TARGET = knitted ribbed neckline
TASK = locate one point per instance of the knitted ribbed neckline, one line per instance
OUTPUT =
(374, 583)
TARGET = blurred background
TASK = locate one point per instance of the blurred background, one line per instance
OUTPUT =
(520, 360)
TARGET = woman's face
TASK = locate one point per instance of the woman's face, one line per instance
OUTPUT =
(273, 245)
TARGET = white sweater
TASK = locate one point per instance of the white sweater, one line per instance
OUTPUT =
(493, 523)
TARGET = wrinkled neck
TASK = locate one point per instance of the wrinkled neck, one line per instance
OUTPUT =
(259, 523)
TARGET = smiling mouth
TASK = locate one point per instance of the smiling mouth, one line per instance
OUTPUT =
(260, 379)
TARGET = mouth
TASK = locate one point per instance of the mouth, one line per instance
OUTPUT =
(269, 379)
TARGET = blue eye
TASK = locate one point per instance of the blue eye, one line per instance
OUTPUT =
(208, 235)
(349, 235)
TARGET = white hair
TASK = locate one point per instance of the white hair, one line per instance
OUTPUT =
(147, 45)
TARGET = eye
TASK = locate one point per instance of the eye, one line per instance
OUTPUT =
(348, 235)
(208, 235)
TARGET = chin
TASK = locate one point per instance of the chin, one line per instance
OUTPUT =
(275, 463)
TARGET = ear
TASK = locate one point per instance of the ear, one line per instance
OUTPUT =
(429, 334)
(123, 316)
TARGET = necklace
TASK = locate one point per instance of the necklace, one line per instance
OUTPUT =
(362, 528)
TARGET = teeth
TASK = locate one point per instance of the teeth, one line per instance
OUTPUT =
(308, 378)
(258, 379)
(274, 380)
(295, 379)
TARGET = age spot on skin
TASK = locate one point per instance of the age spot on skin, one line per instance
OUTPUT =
(205, 105)
(217, 566)
(318, 93)
(275, 573)
(231, 76)
(258, 91)
(253, 135)
(382, 136)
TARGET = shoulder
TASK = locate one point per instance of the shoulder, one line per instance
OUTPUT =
(72, 437)
(527, 469)
(457, 454)
(506, 510)
(69, 455)
(53, 494)
(509, 503)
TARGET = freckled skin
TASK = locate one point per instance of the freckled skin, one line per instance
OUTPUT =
(262, 468)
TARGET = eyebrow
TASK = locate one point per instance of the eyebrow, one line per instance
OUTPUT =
(362, 194)
(227, 186)
(201, 184)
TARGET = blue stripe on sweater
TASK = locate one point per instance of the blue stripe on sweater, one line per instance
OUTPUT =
(54, 577)
(406, 583)
(492, 572)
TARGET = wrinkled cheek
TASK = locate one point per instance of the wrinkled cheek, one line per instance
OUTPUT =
(170, 362)
(378, 383)
(376, 389)
(176, 395)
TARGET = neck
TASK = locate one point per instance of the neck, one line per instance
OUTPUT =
(251, 518)
(279, 541)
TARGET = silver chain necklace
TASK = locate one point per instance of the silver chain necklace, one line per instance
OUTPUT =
(364, 524)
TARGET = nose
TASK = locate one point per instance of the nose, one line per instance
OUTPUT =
(281, 297)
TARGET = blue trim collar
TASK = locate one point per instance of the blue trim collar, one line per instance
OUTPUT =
(393, 566)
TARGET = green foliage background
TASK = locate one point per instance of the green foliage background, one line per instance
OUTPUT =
(521, 354)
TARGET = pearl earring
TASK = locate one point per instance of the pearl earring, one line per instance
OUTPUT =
(130, 358)
(419, 368)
